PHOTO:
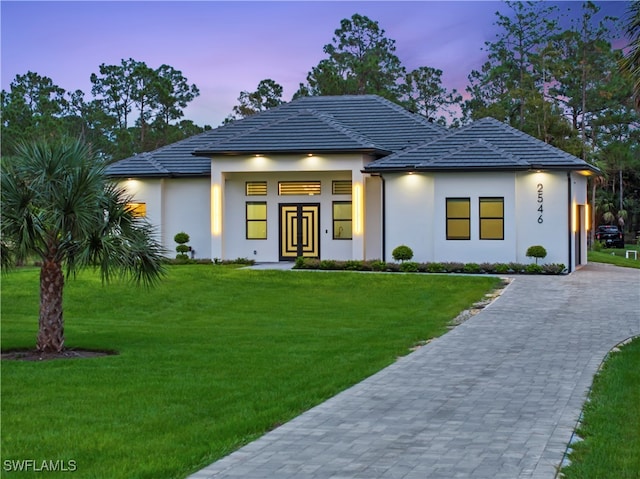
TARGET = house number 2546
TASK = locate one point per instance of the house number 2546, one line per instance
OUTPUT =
(540, 201)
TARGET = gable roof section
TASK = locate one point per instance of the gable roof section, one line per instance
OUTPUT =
(301, 131)
(366, 123)
(486, 144)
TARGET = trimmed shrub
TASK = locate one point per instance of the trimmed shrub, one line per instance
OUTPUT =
(536, 252)
(402, 253)
(409, 267)
(501, 268)
(488, 268)
(453, 267)
(365, 266)
(182, 249)
(378, 265)
(393, 267)
(435, 268)
(533, 269)
(473, 268)
(517, 267)
(553, 268)
(353, 265)
(328, 264)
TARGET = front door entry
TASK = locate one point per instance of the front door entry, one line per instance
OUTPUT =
(299, 231)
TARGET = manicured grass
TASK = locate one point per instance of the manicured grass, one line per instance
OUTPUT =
(211, 359)
(611, 424)
(615, 256)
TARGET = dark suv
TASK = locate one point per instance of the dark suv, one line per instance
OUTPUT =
(610, 236)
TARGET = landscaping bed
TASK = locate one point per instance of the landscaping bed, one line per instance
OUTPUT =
(434, 267)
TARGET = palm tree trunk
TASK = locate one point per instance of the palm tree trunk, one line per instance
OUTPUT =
(51, 325)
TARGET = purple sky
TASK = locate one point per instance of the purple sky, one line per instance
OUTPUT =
(228, 47)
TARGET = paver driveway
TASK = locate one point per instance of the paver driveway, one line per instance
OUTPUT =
(497, 397)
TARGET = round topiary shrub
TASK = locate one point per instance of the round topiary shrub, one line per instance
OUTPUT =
(536, 252)
(182, 249)
(181, 238)
(402, 253)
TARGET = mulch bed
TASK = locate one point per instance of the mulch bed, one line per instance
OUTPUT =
(70, 353)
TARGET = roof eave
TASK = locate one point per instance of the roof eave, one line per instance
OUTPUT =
(587, 170)
(202, 174)
(295, 151)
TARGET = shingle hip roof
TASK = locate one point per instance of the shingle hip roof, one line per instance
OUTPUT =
(486, 144)
(305, 131)
(355, 123)
(366, 123)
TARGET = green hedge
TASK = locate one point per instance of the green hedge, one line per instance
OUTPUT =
(435, 267)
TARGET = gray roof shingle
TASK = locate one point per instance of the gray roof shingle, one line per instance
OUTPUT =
(366, 123)
(300, 131)
(355, 123)
(486, 144)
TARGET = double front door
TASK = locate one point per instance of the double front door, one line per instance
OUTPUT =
(299, 231)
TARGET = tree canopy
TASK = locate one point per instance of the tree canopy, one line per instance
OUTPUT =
(133, 108)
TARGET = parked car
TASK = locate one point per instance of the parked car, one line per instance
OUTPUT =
(610, 236)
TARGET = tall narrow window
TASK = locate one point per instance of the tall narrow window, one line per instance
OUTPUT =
(458, 219)
(342, 222)
(491, 218)
(256, 220)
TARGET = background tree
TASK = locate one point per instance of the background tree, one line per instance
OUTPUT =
(509, 85)
(268, 95)
(58, 206)
(427, 96)
(631, 62)
(32, 108)
(361, 60)
(35, 107)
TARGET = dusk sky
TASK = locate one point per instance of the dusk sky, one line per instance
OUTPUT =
(227, 47)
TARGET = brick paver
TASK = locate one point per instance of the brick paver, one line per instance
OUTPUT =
(497, 397)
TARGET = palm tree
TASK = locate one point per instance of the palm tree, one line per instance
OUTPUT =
(631, 62)
(59, 208)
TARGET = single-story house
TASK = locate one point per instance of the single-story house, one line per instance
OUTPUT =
(352, 177)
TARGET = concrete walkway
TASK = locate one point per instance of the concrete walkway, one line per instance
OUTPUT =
(497, 397)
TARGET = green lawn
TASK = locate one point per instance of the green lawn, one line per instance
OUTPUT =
(615, 256)
(208, 361)
(611, 424)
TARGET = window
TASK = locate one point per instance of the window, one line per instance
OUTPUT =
(139, 210)
(306, 188)
(256, 220)
(458, 219)
(341, 187)
(256, 188)
(491, 218)
(342, 224)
